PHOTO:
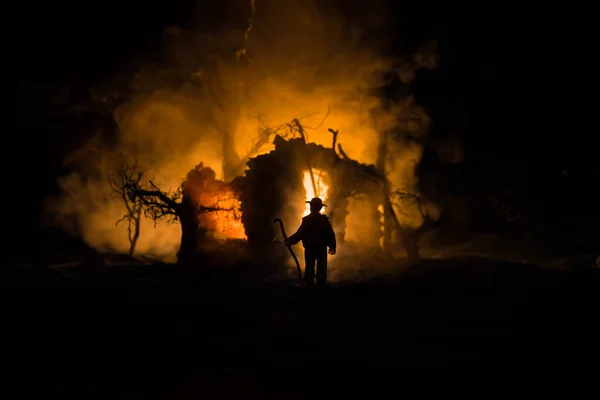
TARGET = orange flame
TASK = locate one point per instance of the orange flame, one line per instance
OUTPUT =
(227, 223)
(224, 221)
(322, 188)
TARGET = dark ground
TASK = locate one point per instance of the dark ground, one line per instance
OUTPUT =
(155, 333)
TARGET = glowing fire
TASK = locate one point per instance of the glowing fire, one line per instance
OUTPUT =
(226, 224)
(321, 187)
(207, 191)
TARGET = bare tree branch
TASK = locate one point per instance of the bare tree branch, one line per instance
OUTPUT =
(300, 130)
(118, 181)
(342, 152)
(334, 141)
(403, 195)
(322, 121)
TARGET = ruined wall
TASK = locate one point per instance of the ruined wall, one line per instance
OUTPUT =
(273, 188)
(264, 193)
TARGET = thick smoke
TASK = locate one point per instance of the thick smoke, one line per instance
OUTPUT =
(198, 102)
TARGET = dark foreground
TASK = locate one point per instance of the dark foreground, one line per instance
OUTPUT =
(460, 325)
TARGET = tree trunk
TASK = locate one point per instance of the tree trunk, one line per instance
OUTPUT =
(411, 246)
(189, 243)
(410, 240)
(189, 233)
(136, 231)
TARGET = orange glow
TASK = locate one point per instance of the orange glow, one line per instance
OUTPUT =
(226, 224)
(224, 220)
(300, 60)
(322, 188)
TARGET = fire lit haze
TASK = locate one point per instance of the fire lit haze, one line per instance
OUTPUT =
(196, 103)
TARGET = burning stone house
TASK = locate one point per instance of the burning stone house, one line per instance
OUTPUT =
(276, 185)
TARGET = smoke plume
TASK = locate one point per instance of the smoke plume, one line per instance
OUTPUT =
(209, 91)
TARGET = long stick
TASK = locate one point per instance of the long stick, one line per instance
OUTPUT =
(289, 248)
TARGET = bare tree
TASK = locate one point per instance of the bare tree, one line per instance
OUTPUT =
(185, 204)
(410, 237)
(396, 199)
(118, 181)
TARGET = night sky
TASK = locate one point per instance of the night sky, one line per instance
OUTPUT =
(520, 71)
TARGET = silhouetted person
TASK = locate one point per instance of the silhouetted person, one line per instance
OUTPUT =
(316, 235)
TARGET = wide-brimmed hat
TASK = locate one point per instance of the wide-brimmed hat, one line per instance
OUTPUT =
(316, 202)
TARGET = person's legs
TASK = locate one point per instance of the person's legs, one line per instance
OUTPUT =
(309, 267)
(322, 267)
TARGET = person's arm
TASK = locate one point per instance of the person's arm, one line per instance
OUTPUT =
(298, 236)
(332, 242)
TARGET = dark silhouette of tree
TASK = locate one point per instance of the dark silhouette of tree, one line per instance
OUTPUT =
(410, 237)
(200, 193)
(396, 199)
(118, 180)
